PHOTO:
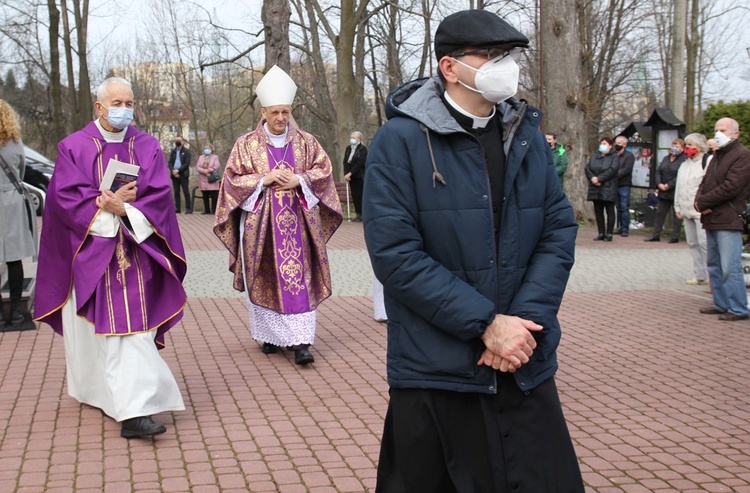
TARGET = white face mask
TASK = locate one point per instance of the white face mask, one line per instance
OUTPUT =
(119, 117)
(496, 80)
(722, 139)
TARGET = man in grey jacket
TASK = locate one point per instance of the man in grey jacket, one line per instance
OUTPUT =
(472, 237)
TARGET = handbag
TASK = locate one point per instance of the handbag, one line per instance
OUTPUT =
(745, 215)
(214, 177)
(24, 193)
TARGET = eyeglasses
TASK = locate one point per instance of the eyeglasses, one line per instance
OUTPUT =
(492, 53)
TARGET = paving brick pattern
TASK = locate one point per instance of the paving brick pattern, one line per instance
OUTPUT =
(655, 394)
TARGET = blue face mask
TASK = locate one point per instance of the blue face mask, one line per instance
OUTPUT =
(206, 151)
(603, 148)
(119, 117)
(353, 142)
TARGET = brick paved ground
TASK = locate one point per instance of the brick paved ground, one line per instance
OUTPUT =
(656, 395)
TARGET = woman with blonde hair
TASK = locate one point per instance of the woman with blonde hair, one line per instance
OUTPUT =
(689, 178)
(16, 224)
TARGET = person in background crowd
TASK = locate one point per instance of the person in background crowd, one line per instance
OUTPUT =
(355, 157)
(624, 182)
(278, 207)
(559, 158)
(601, 173)
(712, 147)
(666, 179)
(720, 199)
(207, 164)
(689, 178)
(472, 303)
(111, 266)
(179, 166)
(17, 220)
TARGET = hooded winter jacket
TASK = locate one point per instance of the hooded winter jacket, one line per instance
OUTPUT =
(429, 232)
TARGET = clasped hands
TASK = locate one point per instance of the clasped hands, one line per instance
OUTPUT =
(281, 179)
(114, 202)
(509, 343)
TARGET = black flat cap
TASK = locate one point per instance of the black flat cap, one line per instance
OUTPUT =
(479, 28)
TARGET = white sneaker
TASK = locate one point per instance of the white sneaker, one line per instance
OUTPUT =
(697, 282)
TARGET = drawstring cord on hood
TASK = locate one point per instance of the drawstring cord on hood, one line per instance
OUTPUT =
(436, 176)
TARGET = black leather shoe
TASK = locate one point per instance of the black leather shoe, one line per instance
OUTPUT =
(599, 238)
(652, 238)
(177, 211)
(141, 427)
(15, 318)
(268, 348)
(624, 234)
(607, 237)
(673, 240)
(189, 211)
(303, 357)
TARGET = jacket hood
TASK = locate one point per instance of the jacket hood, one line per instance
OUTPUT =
(421, 99)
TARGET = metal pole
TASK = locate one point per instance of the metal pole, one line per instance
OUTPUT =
(348, 214)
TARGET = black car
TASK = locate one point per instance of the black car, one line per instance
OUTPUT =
(38, 173)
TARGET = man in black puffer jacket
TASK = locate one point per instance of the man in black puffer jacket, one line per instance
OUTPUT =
(473, 239)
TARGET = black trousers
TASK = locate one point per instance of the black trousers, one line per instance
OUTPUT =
(437, 441)
(599, 208)
(209, 200)
(181, 182)
(15, 280)
(665, 206)
(358, 187)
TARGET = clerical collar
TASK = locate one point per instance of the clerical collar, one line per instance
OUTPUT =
(276, 140)
(111, 136)
(477, 121)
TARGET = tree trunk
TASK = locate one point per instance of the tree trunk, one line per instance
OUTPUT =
(395, 78)
(54, 74)
(345, 87)
(275, 15)
(325, 109)
(68, 46)
(84, 110)
(692, 65)
(373, 76)
(562, 97)
(677, 77)
(359, 77)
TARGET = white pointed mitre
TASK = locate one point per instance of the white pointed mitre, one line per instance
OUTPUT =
(276, 88)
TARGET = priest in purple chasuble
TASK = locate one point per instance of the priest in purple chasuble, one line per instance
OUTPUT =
(277, 208)
(111, 266)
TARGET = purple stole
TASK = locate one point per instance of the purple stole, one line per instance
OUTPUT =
(287, 221)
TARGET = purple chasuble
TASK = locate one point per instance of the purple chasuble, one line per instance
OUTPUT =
(122, 286)
(287, 220)
(282, 255)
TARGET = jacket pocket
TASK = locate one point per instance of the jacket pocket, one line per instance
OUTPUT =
(423, 349)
